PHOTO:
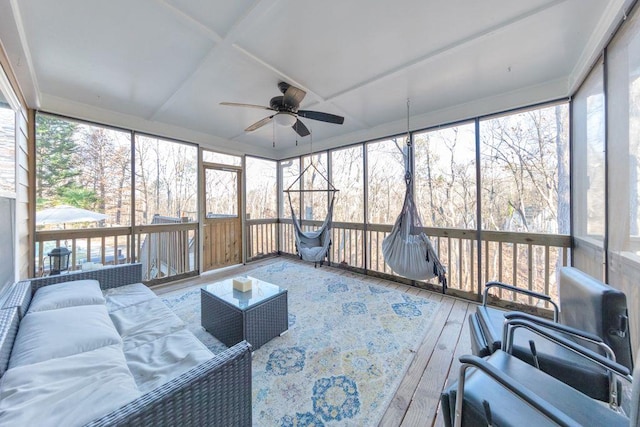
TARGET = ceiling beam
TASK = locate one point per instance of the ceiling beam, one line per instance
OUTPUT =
(255, 12)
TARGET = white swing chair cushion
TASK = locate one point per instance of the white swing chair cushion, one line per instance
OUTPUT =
(407, 256)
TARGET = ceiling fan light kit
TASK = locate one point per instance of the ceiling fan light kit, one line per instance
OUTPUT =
(285, 119)
(287, 112)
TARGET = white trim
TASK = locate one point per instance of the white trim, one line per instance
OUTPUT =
(17, 17)
(614, 13)
(9, 93)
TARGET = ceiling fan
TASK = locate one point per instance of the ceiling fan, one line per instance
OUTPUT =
(287, 113)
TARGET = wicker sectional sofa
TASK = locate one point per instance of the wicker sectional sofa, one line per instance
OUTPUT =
(99, 348)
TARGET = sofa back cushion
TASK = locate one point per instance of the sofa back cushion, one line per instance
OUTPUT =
(66, 294)
(126, 296)
(57, 333)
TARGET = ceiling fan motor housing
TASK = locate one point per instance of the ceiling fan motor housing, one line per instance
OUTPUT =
(277, 103)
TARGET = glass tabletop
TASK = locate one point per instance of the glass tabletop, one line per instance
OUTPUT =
(259, 292)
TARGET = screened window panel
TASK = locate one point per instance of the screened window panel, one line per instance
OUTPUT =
(348, 177)
(525, 171)
(589, 158)
(83, 166)
(224, 159)
(290, 172)
(262, 188)
(166, 180)
(315, 203)
(623, 73)
(385, 174)
(445, 176)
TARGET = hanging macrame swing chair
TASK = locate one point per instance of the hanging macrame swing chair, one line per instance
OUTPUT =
(407, 249)
(314, 245)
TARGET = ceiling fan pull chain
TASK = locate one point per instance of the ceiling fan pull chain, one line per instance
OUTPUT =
(273, 127)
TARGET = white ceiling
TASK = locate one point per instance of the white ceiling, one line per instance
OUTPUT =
(163, 66)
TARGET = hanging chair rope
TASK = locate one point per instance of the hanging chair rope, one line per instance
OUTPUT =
(314, 245)
(407, 249)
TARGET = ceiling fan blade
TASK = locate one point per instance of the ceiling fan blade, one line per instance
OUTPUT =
(293, 96)
(323, 117)
(236, 104)
(259, 124)
(300, 128)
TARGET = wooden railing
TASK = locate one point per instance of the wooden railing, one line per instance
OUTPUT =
(261, 238)
(166, 251)
(526, 260)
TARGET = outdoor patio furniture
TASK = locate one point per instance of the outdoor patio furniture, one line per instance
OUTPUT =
(503, 390)
(257, 315)
(125, 359)
(588, 305)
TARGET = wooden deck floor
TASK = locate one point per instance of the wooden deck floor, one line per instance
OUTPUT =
(435, 365)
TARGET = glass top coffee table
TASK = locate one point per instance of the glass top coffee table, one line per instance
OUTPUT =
(257, 315)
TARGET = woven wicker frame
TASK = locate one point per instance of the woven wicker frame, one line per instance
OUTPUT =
(256, 324)
(214, 393)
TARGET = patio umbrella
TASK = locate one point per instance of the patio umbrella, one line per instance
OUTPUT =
(63, 214)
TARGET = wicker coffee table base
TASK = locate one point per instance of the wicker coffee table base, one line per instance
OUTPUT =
(256, 324)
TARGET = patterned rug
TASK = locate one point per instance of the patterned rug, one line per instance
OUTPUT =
(349, 344)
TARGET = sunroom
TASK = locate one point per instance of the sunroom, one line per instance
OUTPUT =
(519, 123)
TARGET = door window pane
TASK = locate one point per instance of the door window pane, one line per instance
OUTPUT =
(221, 189)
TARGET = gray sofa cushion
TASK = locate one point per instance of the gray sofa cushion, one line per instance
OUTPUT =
(50, 334)
(66, 294)
(67, 391)
(144, 322)
(126, 296)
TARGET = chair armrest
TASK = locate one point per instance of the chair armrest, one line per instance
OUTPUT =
(216, 392)
(507, 382)
(543, 297)
(578, 333)
(596, 358)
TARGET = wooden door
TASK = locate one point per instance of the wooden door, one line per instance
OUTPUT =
(222, 223)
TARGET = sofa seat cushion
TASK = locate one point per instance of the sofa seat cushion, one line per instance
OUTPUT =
(67, 294)
(67, 391)
(159, 361)
(144, 322)
(125, 296)
(63, 332)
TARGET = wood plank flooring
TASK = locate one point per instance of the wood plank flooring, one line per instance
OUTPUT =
(435, 365)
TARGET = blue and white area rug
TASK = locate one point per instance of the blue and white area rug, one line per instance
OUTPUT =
(349, 344)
